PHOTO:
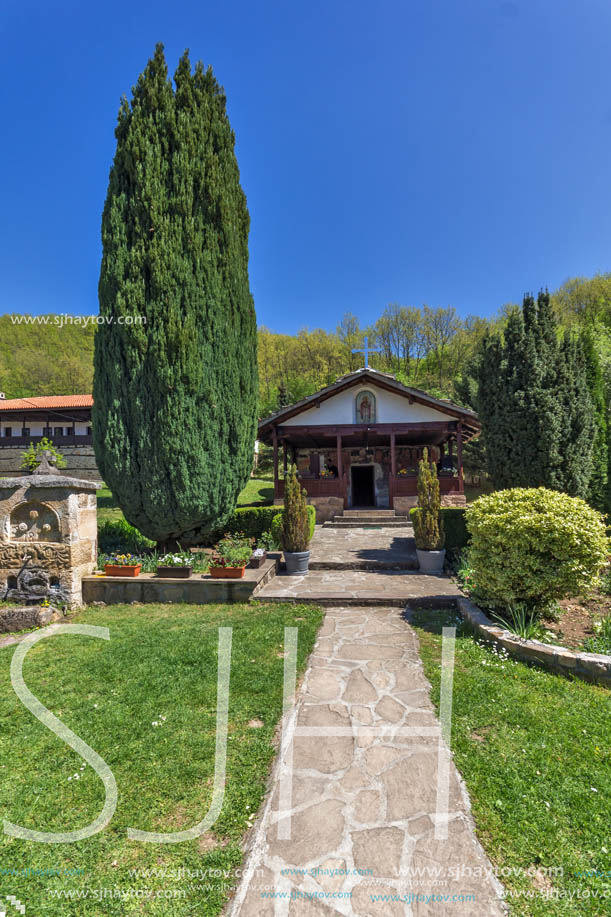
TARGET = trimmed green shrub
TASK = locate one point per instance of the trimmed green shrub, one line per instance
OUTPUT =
(454, 527)
(252, 520)
(428, 528)
(276, 526)
(534, 546)
(119, 536)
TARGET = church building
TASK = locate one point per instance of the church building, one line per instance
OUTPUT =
(357, 443)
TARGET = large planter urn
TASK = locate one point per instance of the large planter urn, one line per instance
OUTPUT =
(431, 561)
(296, 562)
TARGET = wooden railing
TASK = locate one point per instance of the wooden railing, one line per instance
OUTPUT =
(407, 485)
(76, 439)
(317, 487)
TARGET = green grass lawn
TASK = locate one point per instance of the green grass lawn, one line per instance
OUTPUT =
(535, 752)
(258, 490)
(161, 662)
(108, 511)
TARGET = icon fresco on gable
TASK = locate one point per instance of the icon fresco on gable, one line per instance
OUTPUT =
(365, 407)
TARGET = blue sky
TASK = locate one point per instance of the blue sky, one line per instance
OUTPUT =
(453, 153)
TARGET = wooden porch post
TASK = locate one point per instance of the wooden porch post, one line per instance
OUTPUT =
(275, 441)
(393, 470)
(284, 456)
(340, 467)
(459, 456)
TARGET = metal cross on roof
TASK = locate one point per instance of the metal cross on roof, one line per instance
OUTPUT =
(366, 350)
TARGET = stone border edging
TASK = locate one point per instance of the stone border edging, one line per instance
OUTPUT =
(592, 667)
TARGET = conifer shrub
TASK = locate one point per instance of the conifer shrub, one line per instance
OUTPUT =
(456, 536)
(534, 546)
(428, 528)
(276, 526)
(295, 522)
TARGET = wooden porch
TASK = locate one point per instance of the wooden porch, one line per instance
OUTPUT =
(340, 438)
(399, 486)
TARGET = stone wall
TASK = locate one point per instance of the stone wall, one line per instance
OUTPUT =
(594, 667)
(80, 462)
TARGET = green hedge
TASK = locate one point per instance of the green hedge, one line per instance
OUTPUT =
(252, 520)
(454, 526)
(118, 535)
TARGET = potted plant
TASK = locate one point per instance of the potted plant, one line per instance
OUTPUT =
(175, 566)
(295, 529)
(122, 565)
(428, 527)
(230, 557)
(264, 544)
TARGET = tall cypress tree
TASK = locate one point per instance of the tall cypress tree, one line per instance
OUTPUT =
(534, 403)
(175, 382)
(598, 487)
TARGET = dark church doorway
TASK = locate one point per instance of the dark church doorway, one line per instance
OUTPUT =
(363, 491)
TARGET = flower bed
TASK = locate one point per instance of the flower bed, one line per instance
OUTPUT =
(594, 667)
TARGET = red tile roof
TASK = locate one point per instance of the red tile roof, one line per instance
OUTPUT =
(46, 402)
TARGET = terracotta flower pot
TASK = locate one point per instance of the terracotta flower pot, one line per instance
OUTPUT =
(122, 569)
(227, 572)
(175, 572)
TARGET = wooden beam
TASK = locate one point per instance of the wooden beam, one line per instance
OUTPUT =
(393, 455)
(275, 442)
(459, 454)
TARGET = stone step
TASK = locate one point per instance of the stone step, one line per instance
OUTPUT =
(358, 587)
(371, 517)
(378, 524)
(409, 563)
(368, 512)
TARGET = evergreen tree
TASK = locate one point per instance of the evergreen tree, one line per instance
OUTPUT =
(175, 395)
(598, 488)
(534, 403)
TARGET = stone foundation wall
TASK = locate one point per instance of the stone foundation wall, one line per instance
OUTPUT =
(326, 507)
(453, 500)
(80, 462)
(402, 505)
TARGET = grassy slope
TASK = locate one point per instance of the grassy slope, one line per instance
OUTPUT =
(531, 746)
(161, 661)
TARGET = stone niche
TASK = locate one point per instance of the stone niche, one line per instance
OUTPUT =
(48, 536)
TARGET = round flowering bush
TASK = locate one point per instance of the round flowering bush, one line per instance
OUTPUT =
(534, 546)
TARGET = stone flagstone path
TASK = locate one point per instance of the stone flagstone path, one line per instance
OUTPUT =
(362, 809)
(362, 566)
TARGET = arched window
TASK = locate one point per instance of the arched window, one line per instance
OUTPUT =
(365, 405)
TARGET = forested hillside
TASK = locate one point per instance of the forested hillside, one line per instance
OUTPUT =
(425, 347)
(45, 358)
